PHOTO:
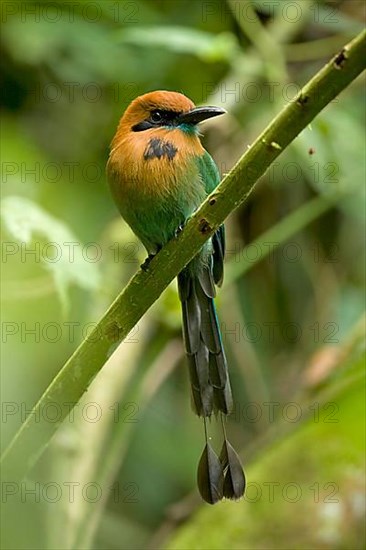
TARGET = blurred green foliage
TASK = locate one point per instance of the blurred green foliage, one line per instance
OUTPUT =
(119, 470)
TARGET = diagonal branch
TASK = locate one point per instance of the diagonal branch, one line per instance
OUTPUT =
(145, 287)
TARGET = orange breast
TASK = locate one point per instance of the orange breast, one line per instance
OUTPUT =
(151, 163)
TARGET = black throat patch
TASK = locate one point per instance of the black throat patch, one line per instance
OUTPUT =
(158, 148)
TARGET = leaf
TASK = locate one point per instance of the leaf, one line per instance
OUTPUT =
(59, 251)
(210, 476)
(206, 46)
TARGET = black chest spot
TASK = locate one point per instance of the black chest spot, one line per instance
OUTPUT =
(158, 148)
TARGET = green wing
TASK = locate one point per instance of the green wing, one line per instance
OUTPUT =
(211, 178)
(209, 172)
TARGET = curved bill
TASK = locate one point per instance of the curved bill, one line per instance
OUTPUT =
(199, 114)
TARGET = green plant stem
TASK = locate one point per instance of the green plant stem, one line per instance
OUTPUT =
(314, 49)
(145, 287)
(279, 233)
(268, 48)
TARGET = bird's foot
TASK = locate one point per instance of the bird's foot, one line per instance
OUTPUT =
(179, 229)
(145, 265)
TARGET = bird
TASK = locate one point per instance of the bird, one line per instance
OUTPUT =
(159, 174)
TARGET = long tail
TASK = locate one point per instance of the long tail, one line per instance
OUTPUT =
(217, 476)
(210, 384)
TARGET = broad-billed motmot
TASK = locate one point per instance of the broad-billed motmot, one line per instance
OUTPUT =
(159, 174)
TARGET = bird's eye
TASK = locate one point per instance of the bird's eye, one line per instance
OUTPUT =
(156, 116)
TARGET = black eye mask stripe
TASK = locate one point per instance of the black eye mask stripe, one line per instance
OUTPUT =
(168, 118)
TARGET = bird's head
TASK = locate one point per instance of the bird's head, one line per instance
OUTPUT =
(168, 110)
(155, 150)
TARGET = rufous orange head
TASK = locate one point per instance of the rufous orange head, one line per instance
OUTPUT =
(164, 109)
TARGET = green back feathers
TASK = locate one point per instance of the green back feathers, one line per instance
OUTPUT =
(208, 171)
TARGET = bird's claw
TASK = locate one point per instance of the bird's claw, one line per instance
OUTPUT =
(145, 265)
(179, 229)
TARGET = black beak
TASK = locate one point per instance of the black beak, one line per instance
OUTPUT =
(199, 114)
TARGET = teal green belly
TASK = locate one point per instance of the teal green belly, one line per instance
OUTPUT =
(155, 223)
(156, 218)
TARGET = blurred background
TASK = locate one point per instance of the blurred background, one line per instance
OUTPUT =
(120, 471)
